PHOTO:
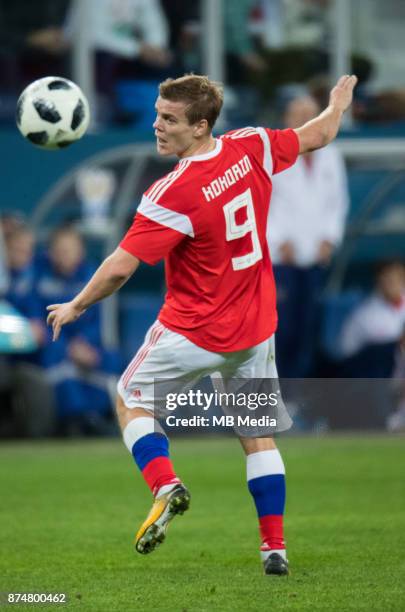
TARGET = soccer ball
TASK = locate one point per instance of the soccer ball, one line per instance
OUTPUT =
(52, 113)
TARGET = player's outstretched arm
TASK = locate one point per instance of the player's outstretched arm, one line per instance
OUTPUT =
(320, 131)
(108, 278)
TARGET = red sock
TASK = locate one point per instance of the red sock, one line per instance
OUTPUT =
(159, 472)
(271, 531)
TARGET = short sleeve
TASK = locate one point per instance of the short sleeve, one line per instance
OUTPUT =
(284, 148)
(149, 241)
(156, 230)
(275, 150)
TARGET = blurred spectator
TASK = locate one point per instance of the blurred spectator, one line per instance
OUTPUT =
(241, 55)
(78, 366)
(22, 292)
(11, 220)
(283, 23)
(32, 41)
(185, 30)
(371, 334)
(381, 107)
(3, 267)
(130, 38)
(307, 23)
(293, 39)
(28, 403)
(291, 42)
(306, 223)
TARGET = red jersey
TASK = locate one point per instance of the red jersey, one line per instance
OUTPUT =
(208, 220)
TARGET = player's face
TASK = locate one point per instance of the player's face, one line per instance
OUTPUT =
(174, 134)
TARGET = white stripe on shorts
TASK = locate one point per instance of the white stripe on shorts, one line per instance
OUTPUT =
(155, 333)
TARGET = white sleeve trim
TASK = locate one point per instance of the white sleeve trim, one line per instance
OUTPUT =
(267, 158)
(164, 216)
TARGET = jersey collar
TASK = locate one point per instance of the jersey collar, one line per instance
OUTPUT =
(204, 156)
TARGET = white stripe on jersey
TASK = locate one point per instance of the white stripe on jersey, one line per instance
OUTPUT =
(156, 186)
(160, 186)
(267, 158)
(165, 216)
(244, 133)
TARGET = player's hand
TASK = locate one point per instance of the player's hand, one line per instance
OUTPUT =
(60, 315)
(341, 95)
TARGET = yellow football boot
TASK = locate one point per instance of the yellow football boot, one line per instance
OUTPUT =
(153, 531)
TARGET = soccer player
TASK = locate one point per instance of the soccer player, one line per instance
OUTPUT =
(207, 218)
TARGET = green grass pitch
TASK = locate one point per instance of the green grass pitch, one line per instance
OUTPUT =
(69, 512)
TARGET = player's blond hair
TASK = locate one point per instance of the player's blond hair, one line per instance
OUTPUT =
(204, 98)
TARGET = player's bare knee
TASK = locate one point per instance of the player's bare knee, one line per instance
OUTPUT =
(125, 414)
(256, 445)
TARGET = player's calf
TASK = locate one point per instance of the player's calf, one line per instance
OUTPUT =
(266, 482)
(149, 446)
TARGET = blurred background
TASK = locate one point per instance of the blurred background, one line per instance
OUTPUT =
(337, 222)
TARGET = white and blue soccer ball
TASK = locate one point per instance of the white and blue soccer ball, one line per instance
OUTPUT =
(52, 113)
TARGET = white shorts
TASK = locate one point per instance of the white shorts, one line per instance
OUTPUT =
(168, 355)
